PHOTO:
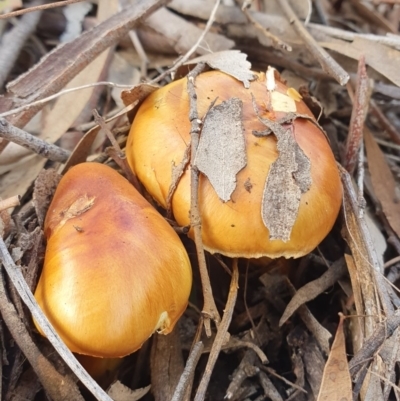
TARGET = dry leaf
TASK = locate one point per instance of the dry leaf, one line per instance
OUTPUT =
(288, 177)
(182, 35)
(137, 94)
(120, 392)
(382, 181)
(336, 381)
(221, 153)
(68, 107)
(19, 179)
(380, 57)
(314, 288)
(231, 62)
(122, 72)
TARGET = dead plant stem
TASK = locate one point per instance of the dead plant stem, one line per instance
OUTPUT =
(37, 145)
(9, 202)
(118, 156)
(188, 374)
(220, 337)
(210, 310)
(38, 8)
(358, 115)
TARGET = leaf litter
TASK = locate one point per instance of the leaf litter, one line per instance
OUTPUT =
(303, 295)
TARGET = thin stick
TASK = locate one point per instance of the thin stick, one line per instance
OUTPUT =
(61, 93)
(38, 8)
(358, 115)
(9, 202)
(188, 373)
(118, 156)
(276, 42)
(210, 310)
(220, 337)
(27, 297)
(37, 145)
(328, 64)
(186, 57)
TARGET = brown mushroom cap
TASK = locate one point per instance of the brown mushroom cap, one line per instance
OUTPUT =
(161, 131)
(114, 270)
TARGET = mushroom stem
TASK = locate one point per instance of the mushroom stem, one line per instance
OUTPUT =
(210, 311)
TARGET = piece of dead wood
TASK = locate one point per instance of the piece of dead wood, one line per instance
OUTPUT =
(372, 344)
(371, 282)
(26, 295)
(359, 113)
(166, 363)
(53, 73)
(43, 191)
(314, 288)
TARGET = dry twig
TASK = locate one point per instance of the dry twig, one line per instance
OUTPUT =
(37, 145)
(188, 374)
(358, 115)
(328, 64)
(9, 202)
(210, 310)
(220, 338)
(38, 8)
(276, 42)
(186, 57)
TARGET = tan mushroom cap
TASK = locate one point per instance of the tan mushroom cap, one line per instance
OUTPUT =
(160, 134)
(114, 270)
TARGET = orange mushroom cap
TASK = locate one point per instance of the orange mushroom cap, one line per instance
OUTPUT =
(114, 270)
(160, 134)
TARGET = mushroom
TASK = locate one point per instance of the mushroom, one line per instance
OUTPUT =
(160, 134)
(114, 269)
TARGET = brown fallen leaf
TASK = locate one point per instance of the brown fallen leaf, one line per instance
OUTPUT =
(232, 62)
(221, 153)
(380, 57)
(120, 392)
(336, 381)
(383, 182)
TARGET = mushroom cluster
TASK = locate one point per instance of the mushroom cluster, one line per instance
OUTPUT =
(114, 270)
(237, 227)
